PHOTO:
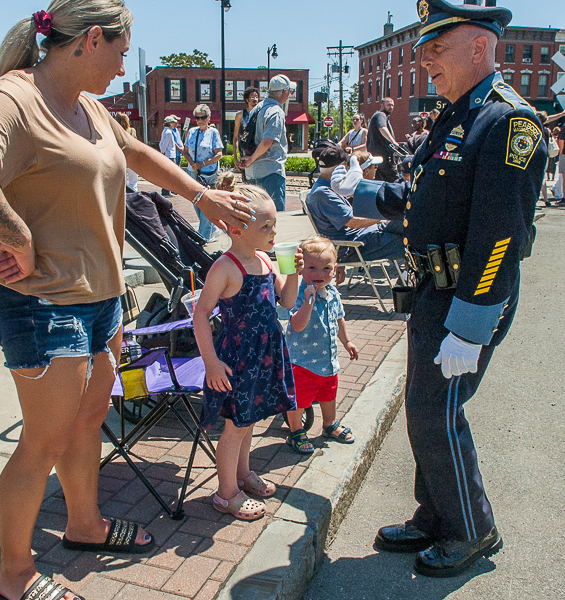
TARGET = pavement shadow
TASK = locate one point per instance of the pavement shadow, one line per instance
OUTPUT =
(391, 574)
(9, 435)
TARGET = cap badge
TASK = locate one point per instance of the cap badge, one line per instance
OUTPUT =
(423, 11)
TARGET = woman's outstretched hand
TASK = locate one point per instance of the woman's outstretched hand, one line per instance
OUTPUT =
(223, 208)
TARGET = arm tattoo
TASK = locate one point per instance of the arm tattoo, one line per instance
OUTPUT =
(78, 51)
(12, 228)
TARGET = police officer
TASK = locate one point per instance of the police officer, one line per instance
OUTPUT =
(467, 222)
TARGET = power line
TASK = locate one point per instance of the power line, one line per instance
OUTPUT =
(340, 51)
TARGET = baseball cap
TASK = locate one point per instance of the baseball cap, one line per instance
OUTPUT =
(329, 154)
(171, 119)
(281, 82)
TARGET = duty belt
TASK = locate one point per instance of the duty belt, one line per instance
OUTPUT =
(444, 264)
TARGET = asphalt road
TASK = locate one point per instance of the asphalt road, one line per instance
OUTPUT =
(518, 423)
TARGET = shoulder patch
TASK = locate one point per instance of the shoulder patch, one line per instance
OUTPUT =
(523, 138)
(511, 96)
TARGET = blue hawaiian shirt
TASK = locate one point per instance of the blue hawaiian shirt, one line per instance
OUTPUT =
(315, 348)
(208, 142)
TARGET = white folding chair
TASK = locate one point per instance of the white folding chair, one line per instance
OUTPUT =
(366, 265)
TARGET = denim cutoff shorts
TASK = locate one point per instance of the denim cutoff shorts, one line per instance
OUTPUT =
(33, 331)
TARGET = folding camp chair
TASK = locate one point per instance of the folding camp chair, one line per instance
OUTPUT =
(161, 381)
(361, 262)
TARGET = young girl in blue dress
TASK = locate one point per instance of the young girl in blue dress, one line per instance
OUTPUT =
(248, 371)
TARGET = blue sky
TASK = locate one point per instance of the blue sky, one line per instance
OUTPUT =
(301, 29)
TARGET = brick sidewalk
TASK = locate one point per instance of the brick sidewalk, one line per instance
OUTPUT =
(194, 557)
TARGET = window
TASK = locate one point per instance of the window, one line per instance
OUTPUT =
(562, 49)
(389, 58)
(431, 87)
(400, 56)
(387, 87)
(509, 54)
(377, 90)
(544, 60)
(542, 85)
(370, 93)
(400, 85)
(361, 93)
(413, 55)
(175, 90)
(234, 90)
(525, 85)
(362, 67)
(527, 54)
(412, 83)
(379, 62)
(205, 91)
(508, 78)
(174, 86)
(370, 65)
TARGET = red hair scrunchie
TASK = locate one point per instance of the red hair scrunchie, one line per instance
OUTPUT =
(42, 22)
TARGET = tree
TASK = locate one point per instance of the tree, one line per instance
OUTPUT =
(196, 59)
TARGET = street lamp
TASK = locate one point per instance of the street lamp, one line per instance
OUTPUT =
(225, 6)
(272, 51)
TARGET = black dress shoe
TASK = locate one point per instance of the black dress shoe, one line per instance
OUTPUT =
(402, 538)
(450, 557)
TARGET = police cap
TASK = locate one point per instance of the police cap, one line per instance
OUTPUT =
(438, 17)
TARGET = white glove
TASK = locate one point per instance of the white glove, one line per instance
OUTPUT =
(457, 356)
(345, 182)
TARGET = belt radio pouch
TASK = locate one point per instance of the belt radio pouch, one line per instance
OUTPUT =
(531, 239)
(437, 266)
(453, 261)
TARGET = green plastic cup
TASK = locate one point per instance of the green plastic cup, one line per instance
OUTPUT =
(285, 252)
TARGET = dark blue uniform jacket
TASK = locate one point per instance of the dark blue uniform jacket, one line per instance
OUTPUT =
(475, 183)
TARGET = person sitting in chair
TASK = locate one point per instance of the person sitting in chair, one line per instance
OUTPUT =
(333, 216)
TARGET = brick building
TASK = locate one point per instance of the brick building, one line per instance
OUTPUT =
(389, 66)
(178, 90)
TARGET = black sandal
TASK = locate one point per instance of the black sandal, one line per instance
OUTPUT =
(44, 588)
(328, 432)
(120, 539)
(294, 440)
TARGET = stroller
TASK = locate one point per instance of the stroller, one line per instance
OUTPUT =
(175, 249)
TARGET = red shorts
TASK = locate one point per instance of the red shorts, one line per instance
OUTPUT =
(313, 388)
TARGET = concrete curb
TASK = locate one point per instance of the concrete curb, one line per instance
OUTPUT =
(282, 560)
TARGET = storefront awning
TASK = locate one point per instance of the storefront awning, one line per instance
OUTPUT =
(295, 117)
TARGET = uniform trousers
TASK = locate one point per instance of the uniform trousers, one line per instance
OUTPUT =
(448, 485)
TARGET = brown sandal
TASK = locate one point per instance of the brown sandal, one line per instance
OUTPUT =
(240, 506)
(256, 486)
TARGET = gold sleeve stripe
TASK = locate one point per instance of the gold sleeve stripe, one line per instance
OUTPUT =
(492, 266)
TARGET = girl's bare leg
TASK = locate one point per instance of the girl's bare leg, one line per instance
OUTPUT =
(228, 456)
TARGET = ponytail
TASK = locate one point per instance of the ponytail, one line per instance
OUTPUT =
(19, 50)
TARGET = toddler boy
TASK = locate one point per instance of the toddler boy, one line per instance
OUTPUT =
(317, 321)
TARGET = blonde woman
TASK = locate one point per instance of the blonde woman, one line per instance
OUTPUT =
(62, 201)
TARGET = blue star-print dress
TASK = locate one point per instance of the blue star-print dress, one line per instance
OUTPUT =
(252, 344)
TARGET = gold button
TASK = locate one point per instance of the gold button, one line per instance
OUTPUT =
(437, 268)
(455, 267)
(495, 330)
(414, 187)
(405, 222)
(405, 240)
(408, 205)
(442, 172)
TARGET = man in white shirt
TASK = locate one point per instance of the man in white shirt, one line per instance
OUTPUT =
(168, 144)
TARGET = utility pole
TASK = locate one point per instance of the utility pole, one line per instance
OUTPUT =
(341, 51)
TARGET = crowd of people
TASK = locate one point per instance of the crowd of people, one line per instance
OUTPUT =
(462, 224)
